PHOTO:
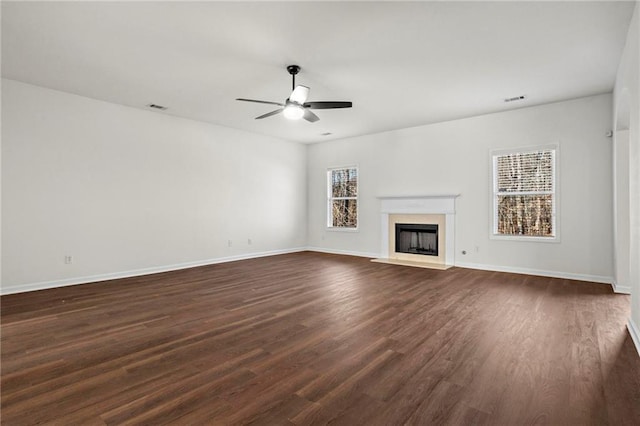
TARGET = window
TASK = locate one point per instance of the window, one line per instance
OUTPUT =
(524, 193)
(342, 195)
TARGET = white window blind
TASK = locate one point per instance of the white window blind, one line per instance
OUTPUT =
(342, 197)
(524, 193)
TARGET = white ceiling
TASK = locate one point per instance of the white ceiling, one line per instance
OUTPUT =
(402, 64)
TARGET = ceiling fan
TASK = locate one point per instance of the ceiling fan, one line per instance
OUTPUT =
(296, 106)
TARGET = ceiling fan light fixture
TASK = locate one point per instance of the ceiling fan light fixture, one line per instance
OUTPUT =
(293, 111)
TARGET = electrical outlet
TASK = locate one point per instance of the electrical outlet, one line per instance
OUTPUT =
(249, 241)
(229, 243)
(477, 249)
(68, 259)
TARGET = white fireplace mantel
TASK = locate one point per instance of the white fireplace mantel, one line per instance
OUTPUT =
(420, 204)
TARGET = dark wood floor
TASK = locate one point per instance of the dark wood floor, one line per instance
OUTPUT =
(311, 338)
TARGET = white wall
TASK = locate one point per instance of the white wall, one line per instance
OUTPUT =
(627, 208)
(453, 157)
(622, 218)
(122, 190)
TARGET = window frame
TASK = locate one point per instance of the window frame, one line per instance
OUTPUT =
(555, 202)
(330, 198)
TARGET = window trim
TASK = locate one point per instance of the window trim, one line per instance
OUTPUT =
(555, 193)
(329, 218)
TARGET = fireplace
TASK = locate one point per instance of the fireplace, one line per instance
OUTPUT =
(417, 238)
(418, 231)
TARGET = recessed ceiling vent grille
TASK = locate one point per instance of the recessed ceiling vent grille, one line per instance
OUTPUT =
(156, 106)
(515, 98)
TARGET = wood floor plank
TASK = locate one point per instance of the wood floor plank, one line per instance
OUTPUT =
(310, 338)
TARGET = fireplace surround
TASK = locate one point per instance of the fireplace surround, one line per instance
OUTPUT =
(438, 210)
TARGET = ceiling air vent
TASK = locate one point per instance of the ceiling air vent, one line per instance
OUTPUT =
(515, 98)
(156, 106)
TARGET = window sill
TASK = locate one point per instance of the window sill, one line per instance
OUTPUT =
(337, 229)
(555, 239)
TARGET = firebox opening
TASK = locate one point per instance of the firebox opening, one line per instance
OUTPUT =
(417, 239)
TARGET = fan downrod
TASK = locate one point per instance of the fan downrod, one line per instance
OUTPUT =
(293, 70)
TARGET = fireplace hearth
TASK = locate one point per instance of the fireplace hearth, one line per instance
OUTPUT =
(417, 238)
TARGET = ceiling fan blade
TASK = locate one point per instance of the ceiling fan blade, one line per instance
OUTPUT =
(269, 114)
(310, 116)
(260, 102)
(299, 94)
(328, 104)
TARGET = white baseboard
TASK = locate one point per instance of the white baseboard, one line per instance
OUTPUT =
(543, 273)
(345, 252)
(635, 334)
(137, 272)
(622, 289)
(153, 270)
(514, 270)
